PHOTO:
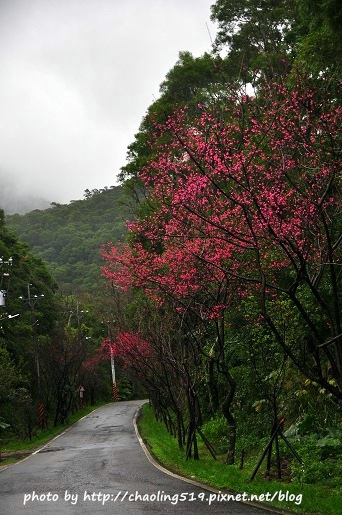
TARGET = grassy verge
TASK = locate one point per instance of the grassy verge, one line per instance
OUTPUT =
(314, 498)
(20, 448)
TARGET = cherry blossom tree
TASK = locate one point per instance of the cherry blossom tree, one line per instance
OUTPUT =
(244, 202)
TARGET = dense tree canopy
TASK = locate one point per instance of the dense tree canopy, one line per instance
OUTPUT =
(236, 176)
(68, 236)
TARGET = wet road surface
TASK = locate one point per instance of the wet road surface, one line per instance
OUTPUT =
(99, 467)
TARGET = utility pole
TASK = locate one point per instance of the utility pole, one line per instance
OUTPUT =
(79, 314)
(112, 363)
(5, 276)
(31, 301)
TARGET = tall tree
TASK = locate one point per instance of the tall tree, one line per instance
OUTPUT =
(318, 31)
(256, 197)
(254, 34)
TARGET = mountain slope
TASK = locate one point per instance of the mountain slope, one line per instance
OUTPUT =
(69, 236)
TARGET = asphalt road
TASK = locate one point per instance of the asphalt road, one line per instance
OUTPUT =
(98, 466)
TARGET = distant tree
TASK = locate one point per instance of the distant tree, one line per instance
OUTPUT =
(271, 36)
(69, 236)
(254, 34)
(318, 29)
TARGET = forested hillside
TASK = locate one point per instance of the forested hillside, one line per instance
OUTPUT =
(68, 237)
(45, 339)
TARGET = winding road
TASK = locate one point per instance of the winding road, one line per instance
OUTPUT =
(98, 466)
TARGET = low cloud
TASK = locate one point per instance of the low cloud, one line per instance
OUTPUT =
(76, 79)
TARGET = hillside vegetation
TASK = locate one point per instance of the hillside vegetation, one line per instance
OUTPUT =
(68, 237)
(46, 339)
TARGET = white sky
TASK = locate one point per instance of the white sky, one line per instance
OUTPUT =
(76, 78)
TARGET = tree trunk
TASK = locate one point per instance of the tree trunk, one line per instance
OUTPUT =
(212, 387)
(226, 410)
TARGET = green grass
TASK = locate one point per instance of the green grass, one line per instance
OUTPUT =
(315, 498)
(42, 436)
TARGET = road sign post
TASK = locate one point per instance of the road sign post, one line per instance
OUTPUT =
(114, 387)
(81, 391)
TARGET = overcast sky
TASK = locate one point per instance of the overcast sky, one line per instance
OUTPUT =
(76, 77)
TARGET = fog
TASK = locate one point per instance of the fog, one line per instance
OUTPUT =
(76, 79)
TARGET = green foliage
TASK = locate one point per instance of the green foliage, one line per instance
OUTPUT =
(68, 237)
(8, 373)
(315, 498)
(254, 33)
(11, 380)
(319, 35)
(13, 392)
(191, 81)
(321, 454)
(272, 36)
(216, 432)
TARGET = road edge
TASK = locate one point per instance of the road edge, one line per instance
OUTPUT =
(186, 479)
(36, 451)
